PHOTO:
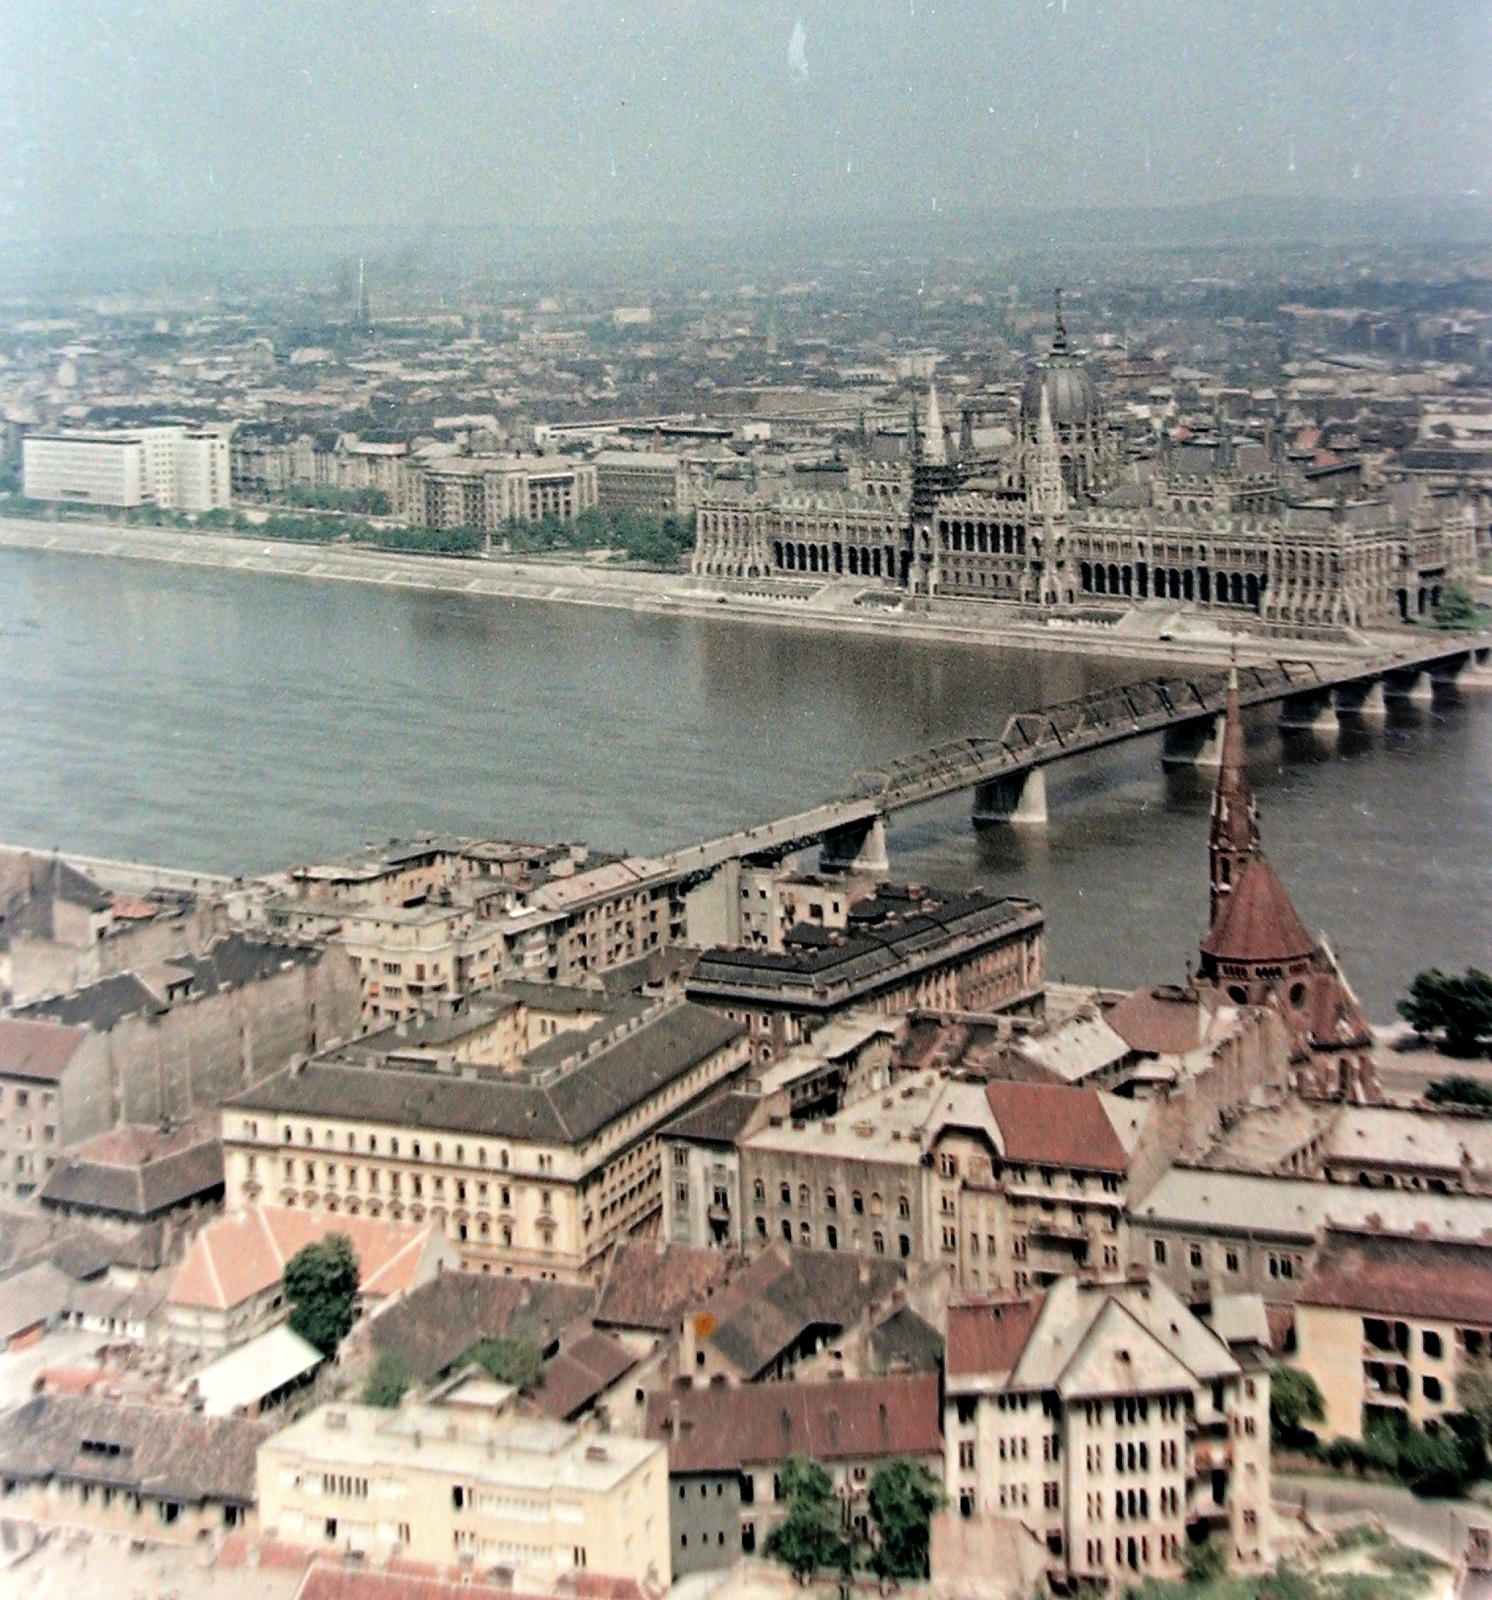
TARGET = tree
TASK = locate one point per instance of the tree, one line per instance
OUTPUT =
(903, 1496)
(1459, 1009)
(1474, 1392)
(1294, 1400)
(387, 1382)
(808, 1537)
(321, 1284)
(515, 1361)
(1457, 610)
(1459, 1091)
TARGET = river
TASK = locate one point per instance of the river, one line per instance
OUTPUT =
(236, 722)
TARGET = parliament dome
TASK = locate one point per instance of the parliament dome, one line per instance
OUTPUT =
(1071, 394)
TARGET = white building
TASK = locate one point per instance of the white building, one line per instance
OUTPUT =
(176, 468)
(1108, 1418)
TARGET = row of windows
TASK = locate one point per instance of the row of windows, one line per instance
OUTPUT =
(831, 1237)
(543, 1161)
(831, 1199)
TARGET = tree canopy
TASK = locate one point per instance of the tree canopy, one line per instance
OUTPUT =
(810, 1537)
(1457, 609)
(903, 1496)
(515, 1361)
(1460, 1091)
(321, 1284)
(387, 1382)
(1458, 1010)
(1294, 1400)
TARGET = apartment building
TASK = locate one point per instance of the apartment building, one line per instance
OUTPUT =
(1106, 1416)
(462, 1480)
(1386, 1323)
(1002, 1185)
(536, 1168)
(727, 1447)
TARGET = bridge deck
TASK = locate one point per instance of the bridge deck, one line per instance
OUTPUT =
(1052, 733)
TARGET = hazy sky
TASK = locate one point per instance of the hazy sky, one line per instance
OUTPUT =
(200, 115)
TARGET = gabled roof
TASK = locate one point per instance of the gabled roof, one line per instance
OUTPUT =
(436, 1323)
(1256, 923)
(1047, 1125)
(235, 1258)
(581, 1372)
(244, 1376)
(650, 1284)
(988, 1339)
(38, 1050)
(136, 1172)
(784, 1292)
(726, 1428)
(1120, 1356)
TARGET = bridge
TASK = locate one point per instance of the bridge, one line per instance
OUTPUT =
(1007, 773)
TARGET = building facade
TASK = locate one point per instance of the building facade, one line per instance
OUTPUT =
(176, 468)
(461, 1481)
(537, 1171)
(1108, 1418)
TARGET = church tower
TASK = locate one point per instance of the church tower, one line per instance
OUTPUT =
(1234, 839)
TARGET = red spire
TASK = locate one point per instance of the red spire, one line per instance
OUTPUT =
(1235, 821)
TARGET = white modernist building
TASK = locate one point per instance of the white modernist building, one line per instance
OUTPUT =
(177, 468)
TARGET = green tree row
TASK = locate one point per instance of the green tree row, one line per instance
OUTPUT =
(817, 1534)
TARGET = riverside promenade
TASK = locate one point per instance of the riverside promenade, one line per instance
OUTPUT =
(834, 606)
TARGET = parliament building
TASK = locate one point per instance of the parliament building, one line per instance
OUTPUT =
(1059, 521)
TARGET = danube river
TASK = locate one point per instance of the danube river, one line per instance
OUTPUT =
(234, 723)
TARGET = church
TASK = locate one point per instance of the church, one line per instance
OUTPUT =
(1059, 521)
(1257, 951)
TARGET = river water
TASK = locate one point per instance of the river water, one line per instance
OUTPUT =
(236, 723)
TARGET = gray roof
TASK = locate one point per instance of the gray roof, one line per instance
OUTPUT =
(168, 1453)
(572, 1108)
(39, 1294)
(437, 1322)
(718, 1121)
(904, 1336)
(870, 954)
(95, 1179)
(235, 961)
(100, 1005)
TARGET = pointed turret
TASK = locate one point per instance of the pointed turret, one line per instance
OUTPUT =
(1234, 838)
(935, 450)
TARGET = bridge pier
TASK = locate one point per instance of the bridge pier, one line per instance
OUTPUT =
(1309, 711)
(1362, 700)
(1409, 683)
(1477, 673)
(1019, 799)
(856, 847)
(1193, 744)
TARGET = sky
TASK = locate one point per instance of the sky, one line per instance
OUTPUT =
(189, 117)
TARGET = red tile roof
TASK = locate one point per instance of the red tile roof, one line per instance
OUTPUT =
(1158, 1022)
(323, 1581)
(237, 1257)
(1046, 1125)
(989, 1338)
(37, 1050)
(579, 1374)
(1391, 1275)
(651, 1285)
(1256, 923)
(722, 1429)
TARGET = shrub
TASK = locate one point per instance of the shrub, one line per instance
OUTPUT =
(515, 1361)
(387, 1382)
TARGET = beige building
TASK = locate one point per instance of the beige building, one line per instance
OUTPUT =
(640, 480)
(1386, 1323)
(1106, 1417)
(485, 492)
(1002, 1185)
(463, 1480)
(535, 1167)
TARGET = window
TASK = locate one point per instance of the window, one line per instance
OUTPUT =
(966, 1452)
(878, 1243)
(1232, 1260)
(1432, 1389)
(787, 1195)
(787, 1230)
(759, 1189)
(831, 1202)
(903, 1206)
(1432, 1345)
(1194, 1255)
(831, 1236)
(1158, 1249)
(761, 1227)
(857, 1203)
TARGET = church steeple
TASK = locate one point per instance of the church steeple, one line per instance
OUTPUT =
(935, 449)
(1234, 839)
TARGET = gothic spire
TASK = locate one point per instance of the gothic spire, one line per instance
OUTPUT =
(1234, 837)
(935, 450)
(1059, 328)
